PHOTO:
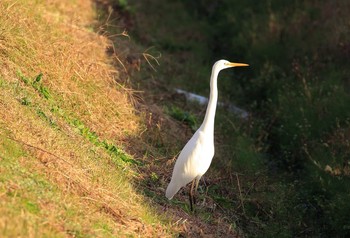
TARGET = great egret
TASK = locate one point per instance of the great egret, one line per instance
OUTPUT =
(195, 158)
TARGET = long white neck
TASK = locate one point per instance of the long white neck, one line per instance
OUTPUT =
(208, 123)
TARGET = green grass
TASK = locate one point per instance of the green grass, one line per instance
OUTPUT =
(27, 196)
(183, 116)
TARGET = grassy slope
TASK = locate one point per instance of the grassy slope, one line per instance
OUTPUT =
(66, 122)
(62, 116)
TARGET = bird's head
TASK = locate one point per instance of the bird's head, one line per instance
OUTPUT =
(224, 64)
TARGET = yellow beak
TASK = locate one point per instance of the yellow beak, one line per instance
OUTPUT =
(237, 64)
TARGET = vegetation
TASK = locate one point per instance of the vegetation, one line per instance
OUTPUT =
(90, 126)
(299, 100)
(63, 115)
(293, 153)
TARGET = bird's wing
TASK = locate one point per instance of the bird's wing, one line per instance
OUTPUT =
(192, 162)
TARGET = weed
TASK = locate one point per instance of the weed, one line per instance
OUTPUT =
(36, 83)
(183, 116)
(154, 177)
(23, 78)
(46, 118)
(25, 101)
(109, 147)
(123, 3)
(31, 207)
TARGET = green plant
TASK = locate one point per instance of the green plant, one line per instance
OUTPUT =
(36, 83)
(109, 147)
(183, 116)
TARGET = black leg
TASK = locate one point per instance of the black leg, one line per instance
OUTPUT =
(195, 190)
(191, 202)
(192, 199)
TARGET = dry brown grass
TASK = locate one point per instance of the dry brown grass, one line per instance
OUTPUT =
(90, 195)
(72, 60)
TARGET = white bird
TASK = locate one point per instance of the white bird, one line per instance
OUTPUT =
(195, 158)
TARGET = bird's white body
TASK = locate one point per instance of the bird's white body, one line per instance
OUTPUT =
(193, 161)
(195, 158)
